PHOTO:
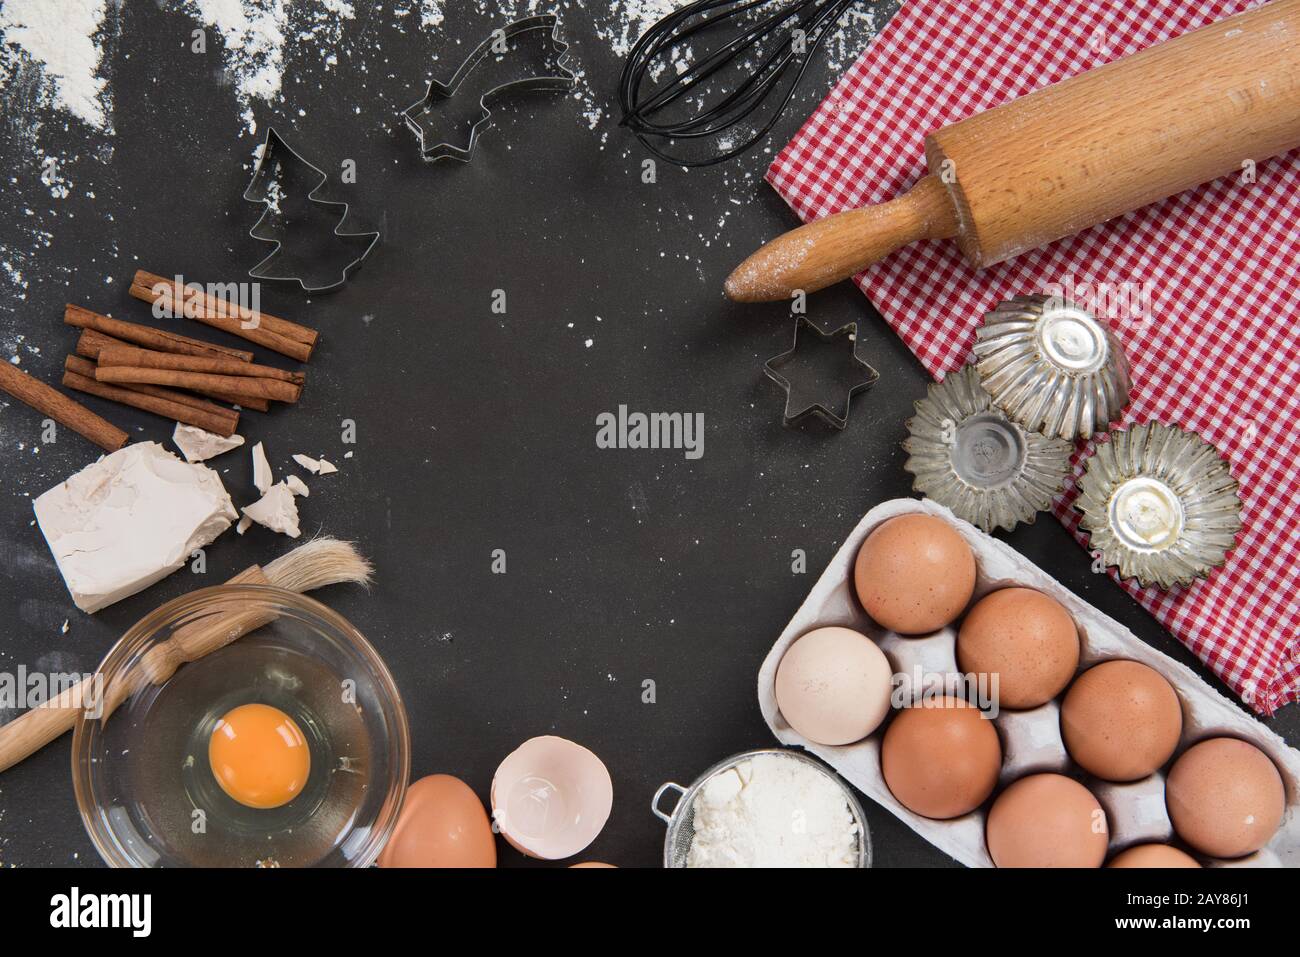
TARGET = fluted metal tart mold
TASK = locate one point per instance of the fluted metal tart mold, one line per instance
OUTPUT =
(1159, 504)
(1052, 367)
(968, 456)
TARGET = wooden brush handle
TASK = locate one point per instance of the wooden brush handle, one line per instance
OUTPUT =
(828, 250)
(34, 729)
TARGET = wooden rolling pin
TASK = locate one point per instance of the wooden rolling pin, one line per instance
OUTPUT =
(1069, 156)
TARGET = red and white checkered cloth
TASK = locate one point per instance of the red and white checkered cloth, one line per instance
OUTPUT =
(1220, 354)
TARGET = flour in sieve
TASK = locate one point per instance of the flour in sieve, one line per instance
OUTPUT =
(772, 811)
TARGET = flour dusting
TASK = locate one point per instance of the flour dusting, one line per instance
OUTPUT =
(58, 41)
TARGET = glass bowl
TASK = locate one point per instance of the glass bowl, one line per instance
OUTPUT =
(140, 768)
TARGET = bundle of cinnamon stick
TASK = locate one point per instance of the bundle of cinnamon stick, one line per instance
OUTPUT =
(166, 373)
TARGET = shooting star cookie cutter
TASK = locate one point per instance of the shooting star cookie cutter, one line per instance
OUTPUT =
(262, 188)
(792, 416)
(551, 75)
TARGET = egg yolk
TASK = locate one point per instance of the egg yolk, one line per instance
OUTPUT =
(259, 756)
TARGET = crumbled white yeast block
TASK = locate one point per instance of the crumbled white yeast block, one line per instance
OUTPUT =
(199, 445)
(130, 519)
(327, 468)
(307, 462)
(772, 811)
(276, 510)
(261, 469)
(296, 485)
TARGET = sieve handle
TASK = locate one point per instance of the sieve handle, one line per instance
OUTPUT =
(654, 801)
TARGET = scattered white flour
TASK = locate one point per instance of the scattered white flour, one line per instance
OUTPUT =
(51, 176)
(430, 13)
(59, 39)
(254, 36)
(772, 811)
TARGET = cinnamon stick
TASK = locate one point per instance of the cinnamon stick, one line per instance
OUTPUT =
(201, 382)
(287, 338)
(165, 407)
(91, 342)
(149, 359)
(84, 367)
(182, 296)
(147, 337)
(63, 410)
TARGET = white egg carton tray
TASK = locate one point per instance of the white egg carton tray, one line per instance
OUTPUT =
(1031, 740)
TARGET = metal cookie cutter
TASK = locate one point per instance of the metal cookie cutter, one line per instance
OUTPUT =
(263, 188)
(550, 74)
(1160, 504)
(795, 415)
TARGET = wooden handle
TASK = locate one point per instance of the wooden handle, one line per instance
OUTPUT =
(828, 250)
(34, 729)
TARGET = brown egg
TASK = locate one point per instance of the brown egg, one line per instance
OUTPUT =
(1225, 797)
(1024, 637)
(833, 685)
(442, 824)
(1121, 720)
(1047, 820)
(941, 758)
(1153, 855)
(914, 574)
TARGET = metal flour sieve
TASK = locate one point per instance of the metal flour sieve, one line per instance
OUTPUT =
(681, 820)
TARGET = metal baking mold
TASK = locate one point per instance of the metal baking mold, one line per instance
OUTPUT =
(550, 74)
(967, 455)
(261, 189)
(1159, 504)
(793, 416)
(1052, 367)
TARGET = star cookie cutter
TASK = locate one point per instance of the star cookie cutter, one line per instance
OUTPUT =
(794, 416)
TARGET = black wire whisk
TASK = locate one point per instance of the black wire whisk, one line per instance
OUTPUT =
(778, 34)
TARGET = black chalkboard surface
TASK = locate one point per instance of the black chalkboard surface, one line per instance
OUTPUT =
(476, 429)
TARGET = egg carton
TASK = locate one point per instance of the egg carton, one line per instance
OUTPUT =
(1031, 740)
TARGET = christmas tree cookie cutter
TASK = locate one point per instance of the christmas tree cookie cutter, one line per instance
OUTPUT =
(264, 188)
(542, 72)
